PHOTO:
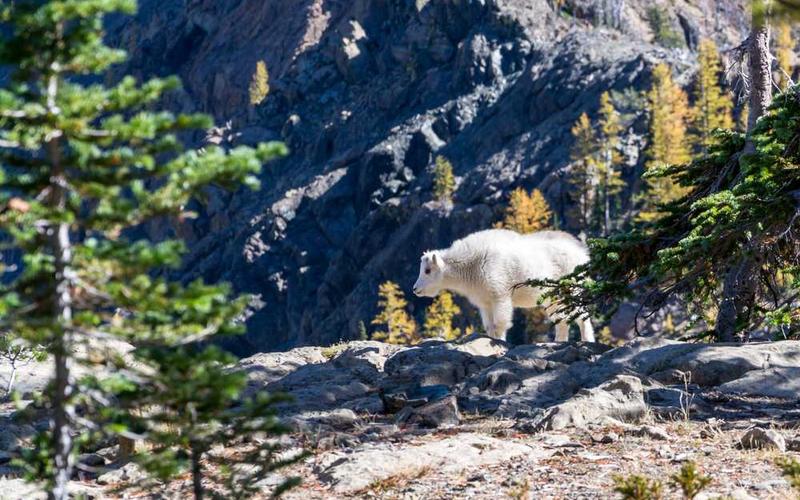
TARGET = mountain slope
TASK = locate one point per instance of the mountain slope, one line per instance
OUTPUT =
(366, 93)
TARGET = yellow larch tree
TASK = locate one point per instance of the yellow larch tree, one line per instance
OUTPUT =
(712, 105)
(583, 174)
(439, 317)
(609, 179)
(444, 182)
(669, 108)
(400, 327)
(259, 84)
(784, 53)
(526, 213)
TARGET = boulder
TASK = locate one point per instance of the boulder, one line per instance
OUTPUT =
(434, 363)
(781, 382)
(621, 397)
(763, 439)
(339, 419)
(354, 471)
(129, 473)
(412, 395)
(442, 412)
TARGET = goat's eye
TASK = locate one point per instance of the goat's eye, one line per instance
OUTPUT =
(427, 271)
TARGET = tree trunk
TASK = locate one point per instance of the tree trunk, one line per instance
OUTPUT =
(741, 281)
(11, 379)
(760, 70)
(197, 473)
(738, 296)
(61, 250)
(62, 343)
(606, 200)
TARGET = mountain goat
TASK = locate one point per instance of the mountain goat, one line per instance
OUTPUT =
(486, 267)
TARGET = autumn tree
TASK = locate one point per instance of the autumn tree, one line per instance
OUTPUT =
(444, 182)
(83, 165)
(439, 317)
(668, 107)
(609, 179)
(712, 105)
(526, 213)
(400, 327)
(784, 53)
(259, 84)
(584, 172)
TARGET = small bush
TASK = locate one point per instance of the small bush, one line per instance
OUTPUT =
(791, 469)
(690, 480)
(635, 487)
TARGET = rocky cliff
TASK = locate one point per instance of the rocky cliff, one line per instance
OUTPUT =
(366, 93)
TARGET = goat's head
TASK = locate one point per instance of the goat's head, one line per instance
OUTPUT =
(431, 275)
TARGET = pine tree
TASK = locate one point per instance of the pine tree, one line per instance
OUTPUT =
(400, 327)
(712, 106)
(81, 165)
(784, 53)
(668, 107)
(194, 405)
(610, 182)
(526, 213)
(584, 172)
(439, 317)
(444, 182)
(259, 84)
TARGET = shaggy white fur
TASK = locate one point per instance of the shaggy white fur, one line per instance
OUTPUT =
(486, 267)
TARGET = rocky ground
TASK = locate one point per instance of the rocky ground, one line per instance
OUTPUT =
(481, 419)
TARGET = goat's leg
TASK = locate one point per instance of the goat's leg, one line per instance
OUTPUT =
(502, 317)
(562, 327)
(587, 330)
(486, 319)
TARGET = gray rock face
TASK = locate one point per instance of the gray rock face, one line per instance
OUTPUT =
(367, 93)
(542, 386)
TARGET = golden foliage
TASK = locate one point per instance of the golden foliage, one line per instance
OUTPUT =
(713, 106)
(400, 326)
(526, 213)
(439, 317)
(259, 84)
(444, 182)
(595, 177)
(784, 51)
(583, 175)
(669, 108)
(610, 182)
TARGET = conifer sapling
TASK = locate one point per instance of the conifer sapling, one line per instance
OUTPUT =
(81, 164)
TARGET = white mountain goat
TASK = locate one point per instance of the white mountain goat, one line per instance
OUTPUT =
(486, 267)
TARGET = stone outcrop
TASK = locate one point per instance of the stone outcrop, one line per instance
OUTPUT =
(539, 387)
